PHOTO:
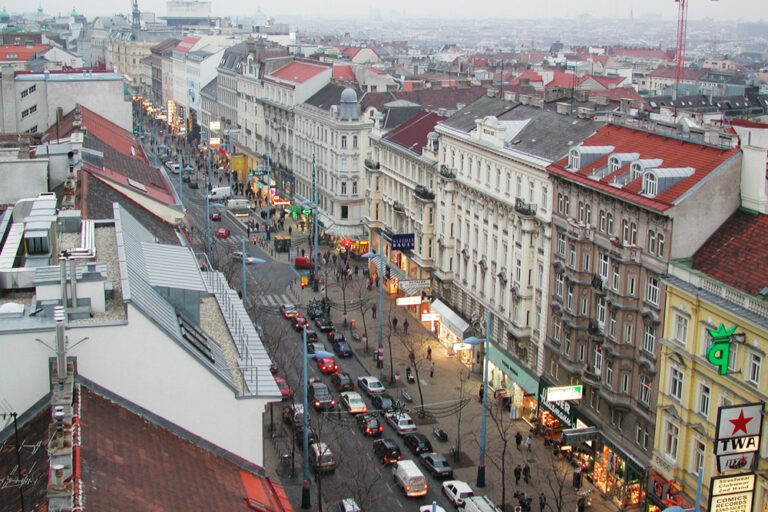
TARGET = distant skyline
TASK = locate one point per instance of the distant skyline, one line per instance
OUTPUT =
(746, 10)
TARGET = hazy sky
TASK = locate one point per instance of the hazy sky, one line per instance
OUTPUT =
(751, 10)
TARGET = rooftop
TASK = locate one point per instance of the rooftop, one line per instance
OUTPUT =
(298, 72)
(10, 52)
(412, 134)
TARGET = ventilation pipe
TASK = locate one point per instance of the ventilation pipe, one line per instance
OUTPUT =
(73, 281)
(61, 344)
(63, 268)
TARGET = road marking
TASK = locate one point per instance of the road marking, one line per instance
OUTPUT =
(275, 300)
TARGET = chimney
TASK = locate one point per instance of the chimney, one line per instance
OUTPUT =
(63, 279)
(61, 344)
(73, 280)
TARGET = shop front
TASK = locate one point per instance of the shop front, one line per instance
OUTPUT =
(451, 331)
(513, 386)
(662, 493)
(617, 474)
(563, 421)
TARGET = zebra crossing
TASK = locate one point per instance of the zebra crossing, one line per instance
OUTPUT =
(276, 299)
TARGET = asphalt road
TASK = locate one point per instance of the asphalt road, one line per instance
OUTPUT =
(358, 474)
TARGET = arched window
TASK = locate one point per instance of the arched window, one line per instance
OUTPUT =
(661, 245)
(636, 170)
(633, 234)
(652, 241)
(650, 184)
(614, 164)
(573, 159)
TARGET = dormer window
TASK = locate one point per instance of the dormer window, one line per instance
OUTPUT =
(573, 159)
(614, 165)
(650, 184)
(636, 170)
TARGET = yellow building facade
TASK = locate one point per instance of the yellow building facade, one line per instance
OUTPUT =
(690, 388)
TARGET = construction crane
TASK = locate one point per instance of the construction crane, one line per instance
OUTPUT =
(682, 28)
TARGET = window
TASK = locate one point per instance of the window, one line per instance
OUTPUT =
(699, 449)
(573, 159)
(652, 241)
(609, 373)
(625, 383)
(602, 221)
(571, 255)
(559, 280)
(581, 352)
(354, 141)
(561, 244)
(613, 165)
(519, 187)
(676, 384)
(343, 142)
(645, 390)
(625, 231)
(588, 214)
(584, 306)
(733, 357)
(612, 326)
(556, 326)
(544, 197)
(616, 277)
(661, 245)
(587, 264)
(633, 234)
(609, 223)
(755, 364)
(681, 329)
(601, 310)
(604, 265)
(650, 185)
(569, 299)
(636, 171)
(631, 286)
(345, 212)
(649, 338)
(671, 439)
(531, 192)
(597, 359)
(617, 418)
(354, 188)
(553, 368)
(652, 292)
(581, 211)
(343, 188)
(518, 270)
(567, 343)
(705, 395)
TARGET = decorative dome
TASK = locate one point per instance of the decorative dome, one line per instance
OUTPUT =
(348, 95)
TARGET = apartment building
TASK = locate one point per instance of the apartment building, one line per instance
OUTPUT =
(626, 201)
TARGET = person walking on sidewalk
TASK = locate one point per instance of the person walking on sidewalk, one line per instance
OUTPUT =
(542, 502)
(518, 440)
(527, 473)
(394, 323)
(518, 471)
(429, 353)
(373, 311)
(528, 443)
(405, 326)
(432, 369)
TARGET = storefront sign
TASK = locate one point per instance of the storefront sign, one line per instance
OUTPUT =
(403, 241)
(214, 142)
(560, 410)
(738, 435)
(461, 346)
(430, 317)
(214, 126)
(720, 349)
(732, 493)
(413, 300)
(565, 393)
(415, 284)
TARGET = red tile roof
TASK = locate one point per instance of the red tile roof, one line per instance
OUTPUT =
(34, 465)
(675, 153)
(377, 71)
(669, 72)
(412, 134)
(350, 52)
(131, 463)
(10, 52)
(736, 254)
(298, 72)
(186, 44)
(344, 73)
(620, 93)
(530, 74)
(563, 79)
(642, 53)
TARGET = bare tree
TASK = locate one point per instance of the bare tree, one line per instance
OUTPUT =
(415, 346)
(557, 473)
(360, 302)
(359, 478)
(504, 428)
(464, 377)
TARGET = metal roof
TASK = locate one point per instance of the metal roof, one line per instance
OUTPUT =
(172, 266)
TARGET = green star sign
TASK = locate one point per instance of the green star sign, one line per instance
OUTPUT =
(719, 351)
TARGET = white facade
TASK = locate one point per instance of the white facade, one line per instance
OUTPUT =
(61, 57)
(37, 96)
(200, 70)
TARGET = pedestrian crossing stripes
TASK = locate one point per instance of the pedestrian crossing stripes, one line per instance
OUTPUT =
(275, 300)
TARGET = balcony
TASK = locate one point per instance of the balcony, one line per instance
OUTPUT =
(447, 173)
(372, 165)
(590, 376)
(422, 193)
(524, 208)
(398, 207)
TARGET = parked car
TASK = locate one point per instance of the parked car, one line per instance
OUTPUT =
(327, 365)
(311, 336)
(387, 450)
(430, 508)
(216, 216)
(289, 310)
(370, 385)
(321, 396)
(314, 348)
(417, 443)
(409, 478)
(457, 491)
(311, 436)
(294, 414)
(436, 464)
(334, 336)
(349, 505)
(353, 402)
(402, 422)
(342, 348)
(369, 424)
(223, 233)
(323, 323)
(285, 389)
(382, 402)
(321, 458)
(342, 381)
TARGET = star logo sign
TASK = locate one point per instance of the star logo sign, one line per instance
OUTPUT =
(740, 423)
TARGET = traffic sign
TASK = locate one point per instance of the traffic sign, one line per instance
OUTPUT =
(403, 241)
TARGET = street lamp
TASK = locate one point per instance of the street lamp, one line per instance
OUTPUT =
(486, 341)
(369, 255)
(305, 503)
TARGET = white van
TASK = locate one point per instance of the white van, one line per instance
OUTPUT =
(479, 504)
(239, 207)
(409, 478)
(220, 193)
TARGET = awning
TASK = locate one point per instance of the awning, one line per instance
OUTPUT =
(393, 270)
(352, 232)
(449, 319)
(579, 435)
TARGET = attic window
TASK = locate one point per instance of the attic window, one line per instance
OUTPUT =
(573, 160)
(614, 164)
(650, 184)
(636, 171)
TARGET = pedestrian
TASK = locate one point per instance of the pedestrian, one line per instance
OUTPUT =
(518, 440)
(394, 323)
(582, 504)
(518, 471)
(290, 230)
(432, 369)
(405, 326)
(542, 502)
(480, 394)
(373, 311)
(528, 442)
(527, 473)
(429, 353)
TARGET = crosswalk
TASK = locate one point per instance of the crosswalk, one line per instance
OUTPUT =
(276, 299)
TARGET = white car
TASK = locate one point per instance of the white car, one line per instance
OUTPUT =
(429, 508)
(401, 422)
(173, 166)
(353, 402)
(457, 491)
(370, 385)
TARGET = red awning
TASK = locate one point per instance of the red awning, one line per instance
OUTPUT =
(346, 243)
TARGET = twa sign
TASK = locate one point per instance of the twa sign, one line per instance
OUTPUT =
(738, 436)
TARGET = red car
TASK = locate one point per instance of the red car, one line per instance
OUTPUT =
(327, 365)
(223, 233)
(216, 216)
(285, 389)
(299, 322)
